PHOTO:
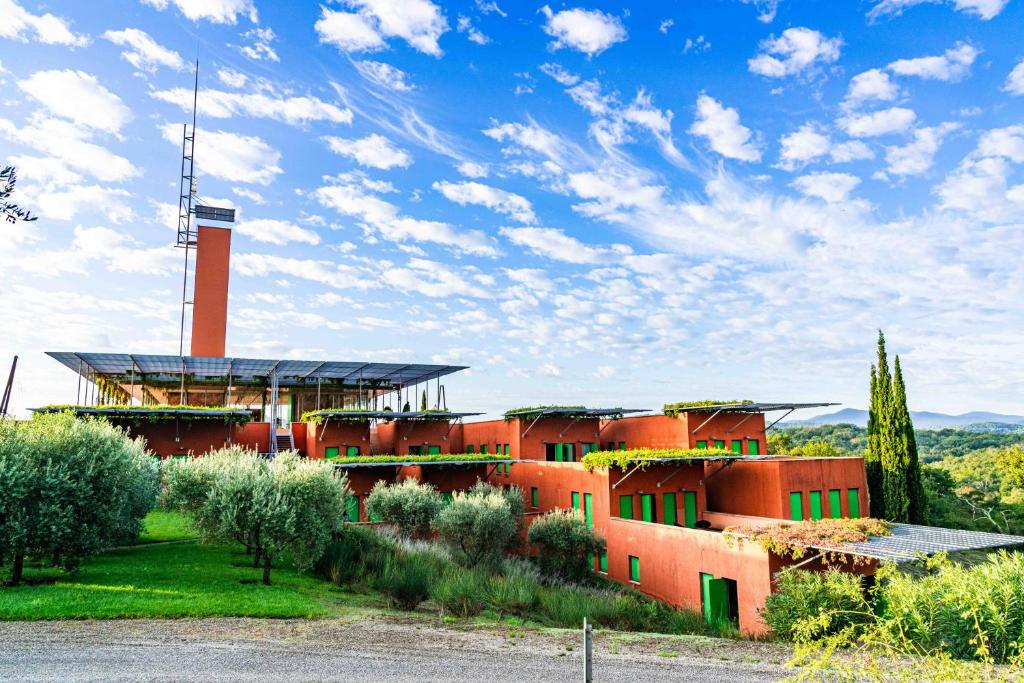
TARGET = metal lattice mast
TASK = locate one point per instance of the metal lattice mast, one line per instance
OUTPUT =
(186, 195)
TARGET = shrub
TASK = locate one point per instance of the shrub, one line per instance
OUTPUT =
(566, 544)
(477, 528)
(813, 604)
(516, 594)
(513, 495)
(354, 553)
(462, 592)
(410, 506)
(406, 581)
(69, 488)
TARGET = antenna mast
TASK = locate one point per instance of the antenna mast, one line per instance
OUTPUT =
(186, 194)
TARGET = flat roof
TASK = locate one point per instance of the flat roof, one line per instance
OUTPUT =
(572, 411)
(909, 541)
(744, 407)
(129, 412)
(389, 414)
(420, 462)
(249, 370)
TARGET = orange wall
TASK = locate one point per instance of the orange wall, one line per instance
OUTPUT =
(210, 301)
(547, 430)
(396, 437)
(645, 431)
(688, 477)
(338, 433)
(492, 433)
(197, 437)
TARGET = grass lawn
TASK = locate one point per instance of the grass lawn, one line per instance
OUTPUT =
(184, 579)
(164, 526)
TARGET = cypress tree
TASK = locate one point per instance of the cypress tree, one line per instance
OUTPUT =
(916, 503)
(873, 456)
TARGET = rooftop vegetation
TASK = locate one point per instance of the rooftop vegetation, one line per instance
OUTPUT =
(673, 409)
(792, 539)
(157, 413)
(644, 456)
(442, 457)
(536, 409)
(322, 414)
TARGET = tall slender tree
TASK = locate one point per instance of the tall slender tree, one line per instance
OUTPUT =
(872, 459)
(916, 503)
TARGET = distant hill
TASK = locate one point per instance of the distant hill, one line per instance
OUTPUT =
(974, 421)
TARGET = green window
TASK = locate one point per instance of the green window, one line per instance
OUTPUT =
(753, 447)
(835, 508)
(815, 505)
(588, 509)
(433, 450)
(611, 445)
(570, 451)
(484, 448)
(351, 451)
(737, 446)
(702, 444)
(415, 450)
(506, 449)
(575, 500)
(604, 562)
(647, 507)
(690, 509)
(634, 569)
(447, 497)
(508, 467)
(352, 508)
(853, 501)
(469, 448)
(668, 508)
(622, 445)
(535, 497)
(720, 444)
(626, 507)
(331, 452)
(796, 506)
(559, 457)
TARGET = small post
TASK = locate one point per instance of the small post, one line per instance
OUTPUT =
(588, 652)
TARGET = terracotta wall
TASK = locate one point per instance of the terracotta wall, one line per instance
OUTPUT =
(677, 478)
(822, 474)
(198, 437)
(491, 433)
(547, 430)
(210, 300)
(299, 436)
(555, 482)
(744, 488)
(396, 437)
(336, 433)
(672, 559)
(644, 431)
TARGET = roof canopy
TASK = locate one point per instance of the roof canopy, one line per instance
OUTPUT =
(154, 369)
(571, 411)
(909, 541)
(741, 407)
(387, 415)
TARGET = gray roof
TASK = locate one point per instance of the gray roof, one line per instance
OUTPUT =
(747, 407)
(131, 412)
(568, 411)
(251, 370)
(389, 414)
(908, 541)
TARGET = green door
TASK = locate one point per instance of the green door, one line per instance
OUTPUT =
(415, 450)
(535, 497)
(796, 506)
(815, 505)
(484, 448)
(647, 507)
(753, 447)
(575, 500)
(626, 507)
(853, 501)
(668, 508)
(702, 444)
(352, 508)
(331, 452)
(737, 446)
(559, 457)
(506, 449)
(469, 448)
(433, 450)
(720, 444)
(351, 451)
(835, 508)
(588, 509)
(604, 562)
(622, 445)
(690, 509)
(570, 451)
(715, 598)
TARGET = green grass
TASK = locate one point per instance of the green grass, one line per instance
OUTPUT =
(175, 580)
(162, 526)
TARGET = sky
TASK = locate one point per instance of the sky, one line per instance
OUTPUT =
(609, 203)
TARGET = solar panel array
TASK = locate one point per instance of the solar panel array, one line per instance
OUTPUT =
(251, 369)
(908, 541)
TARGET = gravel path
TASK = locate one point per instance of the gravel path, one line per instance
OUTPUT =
(361, 649)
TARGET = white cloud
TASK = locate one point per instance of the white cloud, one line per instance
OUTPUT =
(808, 142)
(512, 205)
(852, 150)
(766, 9)
(221, 104)
(665, 25)
(831, 187)
(873, 84)
(589, 31)
(66, 201)
(980, 188)
(217, 11)
(1003, 142)
(144, 53)
(983, 9)
(465, 25)
(260, 49)
(231, 157)
(1015, 80)
(384, 75)
(699, 44)
(557, 72)
(917, 156)
(795, 51)
(252, 195)
(78, 96)
(418, 22)
(883, 122)
(72, 145)
(352, 195)
(232, 78)
(373, 151)
(20, 24)
(722, 128)
(328, 273)
(554, 244)
(951, 66)
(473, 169)
(430, 278)
(273, 231)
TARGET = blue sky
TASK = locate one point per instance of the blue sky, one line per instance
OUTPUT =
(606, 203)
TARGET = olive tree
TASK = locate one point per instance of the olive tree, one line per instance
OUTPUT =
(70, 487)
(566, 544)
(410, 506)
(477, 527)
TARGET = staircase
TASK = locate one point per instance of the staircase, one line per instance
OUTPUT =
(284, 441)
